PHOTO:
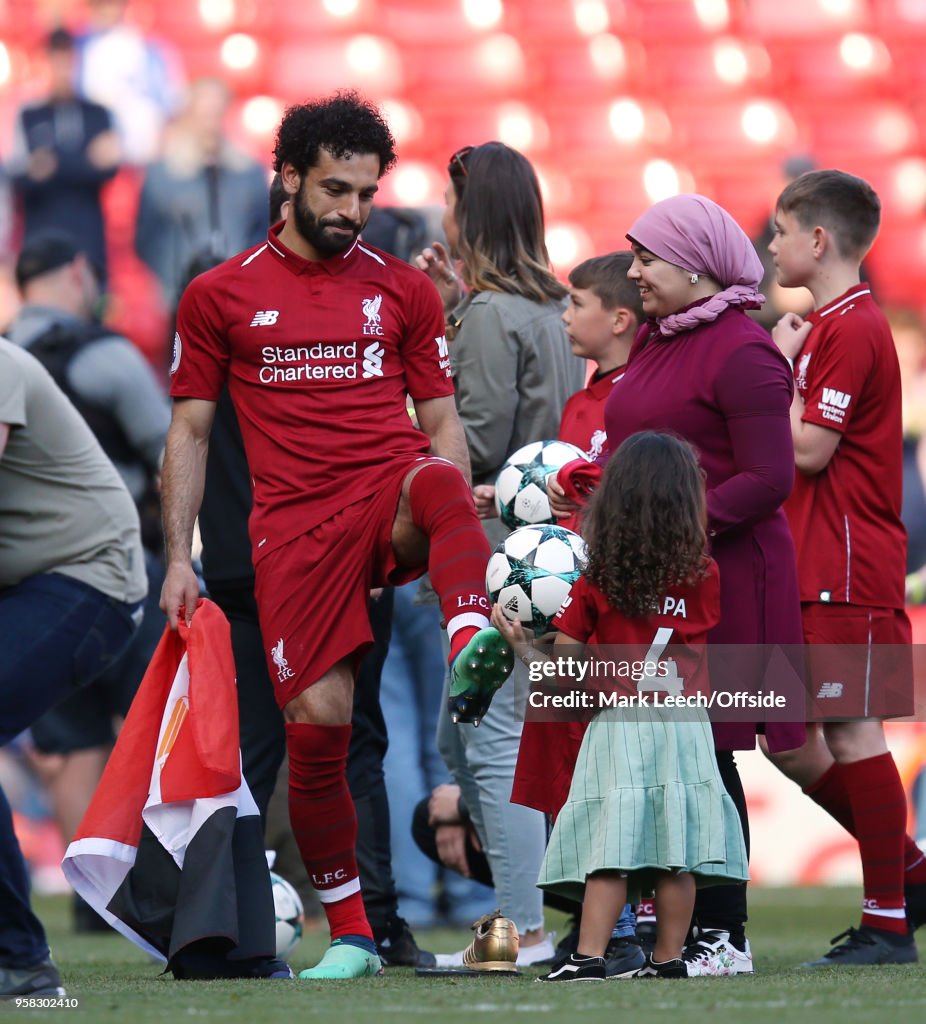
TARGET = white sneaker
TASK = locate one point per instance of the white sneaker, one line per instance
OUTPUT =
(527, 955)
(542, 951)
(712, 955)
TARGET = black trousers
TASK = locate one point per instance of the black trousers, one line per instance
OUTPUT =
(263, 739)
(724, 906)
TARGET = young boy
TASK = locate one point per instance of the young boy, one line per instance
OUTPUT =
(601, 320)
(851, 546)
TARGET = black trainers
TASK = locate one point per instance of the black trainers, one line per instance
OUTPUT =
(667, 969)
(397, 946)
(40, 980)
(623, 958)
(578, 968)
(865, 946)
(915, 899)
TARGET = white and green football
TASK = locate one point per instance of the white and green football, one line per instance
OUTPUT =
(520, 488)
(532, 571)
(290, 918)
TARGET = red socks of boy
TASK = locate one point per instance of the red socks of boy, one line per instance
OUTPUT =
(867, 798)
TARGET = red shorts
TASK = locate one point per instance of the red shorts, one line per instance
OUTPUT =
(312, 593)
(859, 661)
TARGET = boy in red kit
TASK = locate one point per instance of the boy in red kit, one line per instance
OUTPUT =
(851, 547)
(320, 338)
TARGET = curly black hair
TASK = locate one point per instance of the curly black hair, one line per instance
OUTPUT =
(645, 525)
(343, 124)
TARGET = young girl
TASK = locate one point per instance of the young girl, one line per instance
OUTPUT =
(646, 809)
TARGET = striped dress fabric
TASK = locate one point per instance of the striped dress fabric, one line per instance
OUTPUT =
(646, 796)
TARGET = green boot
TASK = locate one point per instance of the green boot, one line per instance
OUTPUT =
(476, 673)
(341, 961)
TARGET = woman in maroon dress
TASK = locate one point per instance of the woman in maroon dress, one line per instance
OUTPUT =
(702, 369)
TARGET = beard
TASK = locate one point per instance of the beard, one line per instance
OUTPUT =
(316, 231)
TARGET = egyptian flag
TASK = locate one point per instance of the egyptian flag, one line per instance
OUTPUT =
(171, 851)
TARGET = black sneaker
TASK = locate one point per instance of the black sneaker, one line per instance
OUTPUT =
(578, 968)
(40, 980)
(397, 946)
(915, 899)
(667, 969)
(865, 946)
(623, 958)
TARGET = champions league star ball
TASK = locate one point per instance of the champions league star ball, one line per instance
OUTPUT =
(289, 914)
(532, 571)
(520, 489)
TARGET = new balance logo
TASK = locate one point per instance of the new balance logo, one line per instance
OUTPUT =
(373, 360)
(265, 317)
(830, 690)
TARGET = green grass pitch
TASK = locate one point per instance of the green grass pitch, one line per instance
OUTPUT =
(114, 982)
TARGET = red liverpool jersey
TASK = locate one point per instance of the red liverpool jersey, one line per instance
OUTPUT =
(685, 615)
(319, 357)
(582, 423)
(851, 544)
(548, 750)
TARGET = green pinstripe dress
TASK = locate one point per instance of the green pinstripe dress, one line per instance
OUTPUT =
(646, 796)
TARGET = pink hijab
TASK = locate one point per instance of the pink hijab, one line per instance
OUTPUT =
(696, 234)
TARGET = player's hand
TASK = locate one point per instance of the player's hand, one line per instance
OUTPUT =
(560, 505)
(484, 499)
(180, 592)
(451, 847)
(435, 261)
(790, 333)
(444, 805)
(516, 636)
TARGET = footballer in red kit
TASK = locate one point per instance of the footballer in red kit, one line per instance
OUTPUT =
(845, 516)
(321, 338)
(319, 356)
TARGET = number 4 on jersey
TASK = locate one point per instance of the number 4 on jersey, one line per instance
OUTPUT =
(654, 680)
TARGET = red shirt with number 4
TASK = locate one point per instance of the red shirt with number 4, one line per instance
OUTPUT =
(548, 752)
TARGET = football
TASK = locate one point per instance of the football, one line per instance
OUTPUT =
(532, 571)
(289, 915)
(520, 488)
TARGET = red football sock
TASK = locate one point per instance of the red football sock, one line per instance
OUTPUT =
(324, 822)
(879, 810)
(442, 507)
(829, 791)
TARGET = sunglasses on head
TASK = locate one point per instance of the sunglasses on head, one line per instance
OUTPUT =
(457, 165)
